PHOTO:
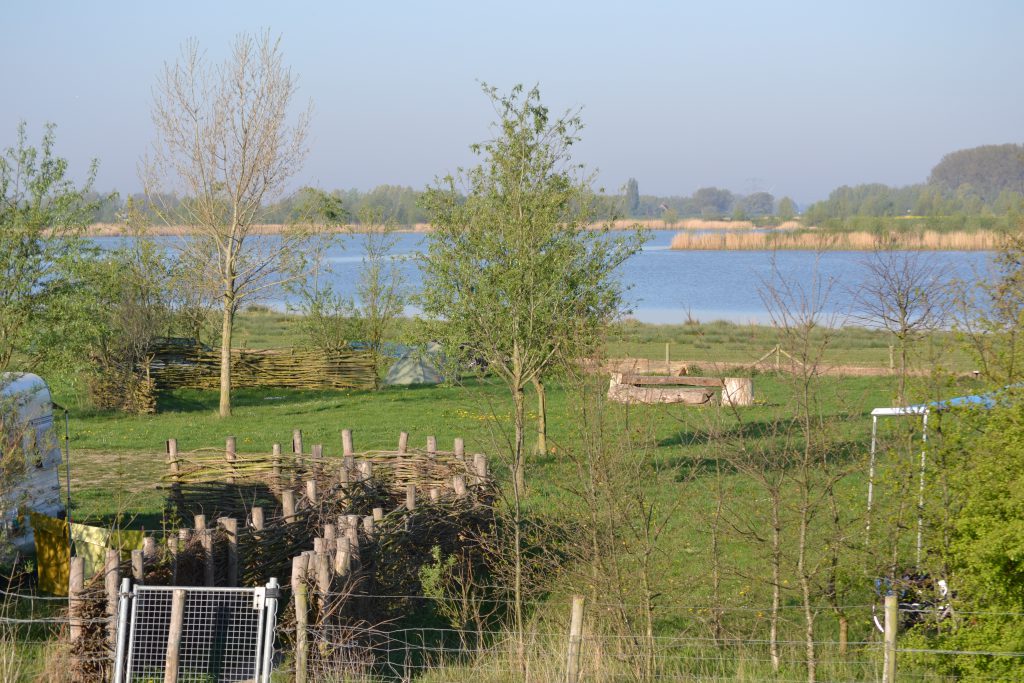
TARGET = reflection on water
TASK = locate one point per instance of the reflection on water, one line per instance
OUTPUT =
(666, 286)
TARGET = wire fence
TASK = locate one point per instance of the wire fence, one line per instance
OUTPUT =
(683, 646)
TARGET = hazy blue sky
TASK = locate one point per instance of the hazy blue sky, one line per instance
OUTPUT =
(792, 97)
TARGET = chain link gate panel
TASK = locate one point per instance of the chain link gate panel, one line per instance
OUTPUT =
(185, 634)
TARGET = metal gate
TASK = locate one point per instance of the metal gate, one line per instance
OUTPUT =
(183, 634)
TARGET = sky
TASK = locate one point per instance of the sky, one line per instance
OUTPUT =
(794, 98)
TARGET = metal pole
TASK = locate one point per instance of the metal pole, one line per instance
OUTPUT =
(920, 494)
(871, 477)
(122, 629)
(67, 470)
(269, 626)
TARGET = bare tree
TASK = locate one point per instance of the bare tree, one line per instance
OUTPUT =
(225, 147)
(903, 295)
(800, 312)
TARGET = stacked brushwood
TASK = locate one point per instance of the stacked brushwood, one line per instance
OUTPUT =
(118, 386)
(353, 532)
(198, 368)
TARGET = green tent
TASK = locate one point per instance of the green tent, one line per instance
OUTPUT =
(417, 366)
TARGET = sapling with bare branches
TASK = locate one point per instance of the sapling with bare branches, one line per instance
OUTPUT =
(226, 148)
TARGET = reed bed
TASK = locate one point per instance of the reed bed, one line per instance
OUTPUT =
(982, 240)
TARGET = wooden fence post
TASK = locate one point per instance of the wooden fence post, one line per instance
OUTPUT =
(311, 491)
(149, 549)
(111, 582)
(891, 624)
(138, 566)
(257, 518)
(276, 457)
(299, 564)
(480, 467)
(206, 541)
(410, 497)
(230, 456)
(403, 443)
(76, 583)
(297, 442)
(572, 665)
(431, 445)
(174, 636)
(365, 470)
(288, 505)
(230, 526)
(435, 494)
(459, 484)
(347, 449)
(172, 463)
(342, 557)
(460, 448)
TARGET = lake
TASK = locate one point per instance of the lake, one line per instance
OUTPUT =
(666, 286)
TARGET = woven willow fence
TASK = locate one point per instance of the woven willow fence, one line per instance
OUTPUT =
(361, 526)
(282, 368)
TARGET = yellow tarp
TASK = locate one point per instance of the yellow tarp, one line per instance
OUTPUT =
(89, 542)
(52, 562)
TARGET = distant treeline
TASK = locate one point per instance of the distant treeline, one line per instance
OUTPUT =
(978, 188)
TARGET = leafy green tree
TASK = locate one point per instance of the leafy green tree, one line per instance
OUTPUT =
(989, 170)
(990, 315)
(511, 274)
(786, 210)
(42, 215)
(632, 197)
(984, 563)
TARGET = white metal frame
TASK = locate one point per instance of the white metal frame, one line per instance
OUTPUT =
(130, 631)
(923, 411)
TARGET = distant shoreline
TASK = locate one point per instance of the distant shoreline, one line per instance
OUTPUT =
(118, 230)
(813, 240)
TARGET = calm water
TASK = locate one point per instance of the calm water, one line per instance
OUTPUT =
(666, 286)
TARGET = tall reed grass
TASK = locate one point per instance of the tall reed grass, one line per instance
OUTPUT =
(929, 240)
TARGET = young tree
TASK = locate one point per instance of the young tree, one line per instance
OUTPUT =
(904, 296)
(225, 146)
(786, 209)
(990, 315)
(632, 197)
(381, 284)
(42, 215)
(511, 273)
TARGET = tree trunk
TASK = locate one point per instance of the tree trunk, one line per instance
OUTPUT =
(518, 457)
(773, 636)
(518, 487)
(542, 417)
(225, 357)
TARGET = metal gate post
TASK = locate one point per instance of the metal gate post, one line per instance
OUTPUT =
(273, 591)
(124, 597)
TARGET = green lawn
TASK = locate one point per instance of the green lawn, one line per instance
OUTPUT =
(117, 460)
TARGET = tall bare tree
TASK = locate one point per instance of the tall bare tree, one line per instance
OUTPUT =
(903, 294)
(225, 146)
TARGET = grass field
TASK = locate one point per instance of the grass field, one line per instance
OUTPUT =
(118, 460)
